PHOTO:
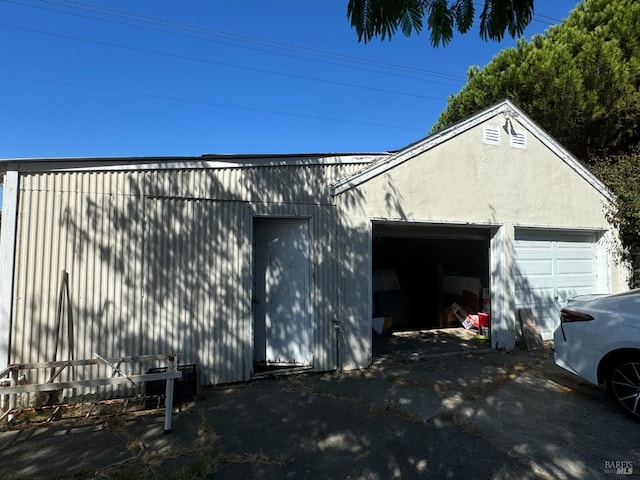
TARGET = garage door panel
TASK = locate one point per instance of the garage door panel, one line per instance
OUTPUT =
(572, 291)
(564, 248)
(574, 252)
(535, 268)
(551, 267)
(582, 267)
(527, 293)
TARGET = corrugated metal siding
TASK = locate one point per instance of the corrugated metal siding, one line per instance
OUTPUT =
(155, 263)
(326, 280)
(67, 223)
(195, 267)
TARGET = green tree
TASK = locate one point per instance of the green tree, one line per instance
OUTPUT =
(382, 18)
(580, 80)
(622, 174)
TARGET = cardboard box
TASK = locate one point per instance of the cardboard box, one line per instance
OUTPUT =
(447, 319)
(387, 325)
(452, 321)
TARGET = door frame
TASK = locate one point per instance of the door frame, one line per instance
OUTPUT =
(276, 215)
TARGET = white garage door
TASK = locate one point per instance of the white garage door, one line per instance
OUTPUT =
(551, 267)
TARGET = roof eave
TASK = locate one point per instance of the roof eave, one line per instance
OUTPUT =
(434, 140)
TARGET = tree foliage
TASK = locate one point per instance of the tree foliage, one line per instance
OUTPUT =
(622, 174)
(383, 18)
(580, 80)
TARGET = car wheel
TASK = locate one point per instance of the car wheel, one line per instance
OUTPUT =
(623, 383)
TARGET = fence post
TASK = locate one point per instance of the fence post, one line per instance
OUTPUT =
(13, 396)
(168, 395)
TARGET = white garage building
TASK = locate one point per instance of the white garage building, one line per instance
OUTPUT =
(246, 263)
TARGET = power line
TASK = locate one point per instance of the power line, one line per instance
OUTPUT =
(214, 62)
(536, 16)
(391, 70)
(207, 103)
(243, 38)
(547, 19)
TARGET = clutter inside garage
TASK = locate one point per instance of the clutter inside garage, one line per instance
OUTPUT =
(430, 277)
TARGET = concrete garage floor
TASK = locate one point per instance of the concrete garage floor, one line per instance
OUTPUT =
(432, 405)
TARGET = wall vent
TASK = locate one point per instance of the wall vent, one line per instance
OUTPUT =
(491, 135)
(518, 139)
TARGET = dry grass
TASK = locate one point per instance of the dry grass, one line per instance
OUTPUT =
(196, 461)
(27, 416)
(251, 458)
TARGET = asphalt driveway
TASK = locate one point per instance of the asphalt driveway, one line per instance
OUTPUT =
(431, 406)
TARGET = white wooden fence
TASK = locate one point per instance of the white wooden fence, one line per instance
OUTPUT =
(11, 387)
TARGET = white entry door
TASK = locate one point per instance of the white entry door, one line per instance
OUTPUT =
(282, 329)
(551, 267)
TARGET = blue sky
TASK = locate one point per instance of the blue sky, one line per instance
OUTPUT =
(190, 77)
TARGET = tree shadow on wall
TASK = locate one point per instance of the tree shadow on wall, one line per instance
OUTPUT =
(162, 261)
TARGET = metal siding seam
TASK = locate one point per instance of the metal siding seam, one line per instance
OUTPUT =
(149, 313)
(208, 326)
(162, 252)
(191, 339)
(220, 301)
(143, 296)
(7, 262)
(47, 258)
(134, 203)
(80, 260)
(158, 250)
(202, 353)
(235, 286)
(225, 321)
(17, 326)
(30, 285)
(238, 352)
(22, 329)
(96, 270)
(38, 278)
(240, 296)
(170, 250)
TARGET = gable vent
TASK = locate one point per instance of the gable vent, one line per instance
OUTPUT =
(491, 135)
(518, 139)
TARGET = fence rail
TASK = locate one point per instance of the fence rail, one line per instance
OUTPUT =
(9, 386)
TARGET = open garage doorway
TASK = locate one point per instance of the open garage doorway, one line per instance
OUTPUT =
(419, 271)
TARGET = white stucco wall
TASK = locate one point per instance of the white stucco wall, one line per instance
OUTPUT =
(464, 181)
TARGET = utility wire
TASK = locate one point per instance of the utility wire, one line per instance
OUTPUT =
(244, 38)
(391, 70)
(214, 62)
(537, 17)
(207, 103)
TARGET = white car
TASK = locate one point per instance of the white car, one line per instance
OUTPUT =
(598, 339)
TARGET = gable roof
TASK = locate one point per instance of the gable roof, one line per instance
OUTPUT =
(504, 107)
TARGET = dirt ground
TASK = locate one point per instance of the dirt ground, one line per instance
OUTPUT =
(435, 404)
